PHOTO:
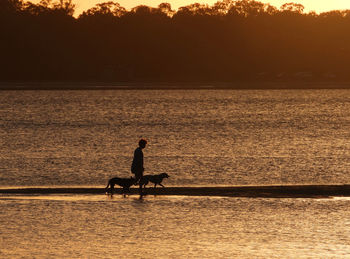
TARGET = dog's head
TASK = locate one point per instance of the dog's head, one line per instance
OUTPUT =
(164, 175)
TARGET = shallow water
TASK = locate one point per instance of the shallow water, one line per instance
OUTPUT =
(200, 138)
(96, 226)
(203, 137)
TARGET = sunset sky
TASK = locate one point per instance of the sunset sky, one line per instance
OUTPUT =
(310, 5)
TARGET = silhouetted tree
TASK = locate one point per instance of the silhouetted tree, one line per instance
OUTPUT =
(228, 41)
(108, 8)
(166, 8)
(292, 7)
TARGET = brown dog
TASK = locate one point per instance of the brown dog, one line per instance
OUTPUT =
(156, 179)
(123, 182)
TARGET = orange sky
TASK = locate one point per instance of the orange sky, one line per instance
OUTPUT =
(310, 5)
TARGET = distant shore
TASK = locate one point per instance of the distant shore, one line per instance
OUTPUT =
(8, 86)
(282, 191)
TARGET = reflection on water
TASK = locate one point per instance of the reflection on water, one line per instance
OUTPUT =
(96, 226)
(200, 138)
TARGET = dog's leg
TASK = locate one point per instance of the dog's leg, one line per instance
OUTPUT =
(112, 189)
(144, 183)
(107, 187)
(161, 185)
(125, 190)
(129, 191)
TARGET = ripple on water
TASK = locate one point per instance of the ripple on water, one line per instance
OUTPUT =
(162, 227)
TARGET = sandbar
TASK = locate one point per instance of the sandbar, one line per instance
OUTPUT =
(271, 191)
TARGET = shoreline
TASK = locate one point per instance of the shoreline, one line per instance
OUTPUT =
(243, 85)
(281, 191)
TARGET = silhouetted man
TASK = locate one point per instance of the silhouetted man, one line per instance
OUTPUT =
(137, 163)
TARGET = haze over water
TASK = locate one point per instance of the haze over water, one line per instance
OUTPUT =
(200, 138)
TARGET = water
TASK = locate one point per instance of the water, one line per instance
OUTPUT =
(173, 227)
(200, 138)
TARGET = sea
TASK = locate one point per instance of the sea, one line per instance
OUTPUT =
(200, 138)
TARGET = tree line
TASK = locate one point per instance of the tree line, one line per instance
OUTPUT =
(229, 41)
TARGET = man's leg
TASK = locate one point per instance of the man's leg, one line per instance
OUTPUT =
(139, 177)
(140, 189)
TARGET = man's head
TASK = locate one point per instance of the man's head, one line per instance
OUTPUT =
(142, 143)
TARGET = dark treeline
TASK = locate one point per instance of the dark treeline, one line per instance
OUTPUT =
(229, 41)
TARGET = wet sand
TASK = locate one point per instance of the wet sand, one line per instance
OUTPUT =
(287, 191)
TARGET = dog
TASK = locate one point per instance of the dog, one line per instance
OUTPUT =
(123, 182)
(156, 179)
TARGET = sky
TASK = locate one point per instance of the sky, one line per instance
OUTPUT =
(310, 5)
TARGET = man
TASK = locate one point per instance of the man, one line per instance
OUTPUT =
(137, 163)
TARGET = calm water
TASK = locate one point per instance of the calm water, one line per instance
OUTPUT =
(200, 138)
(173, 227)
